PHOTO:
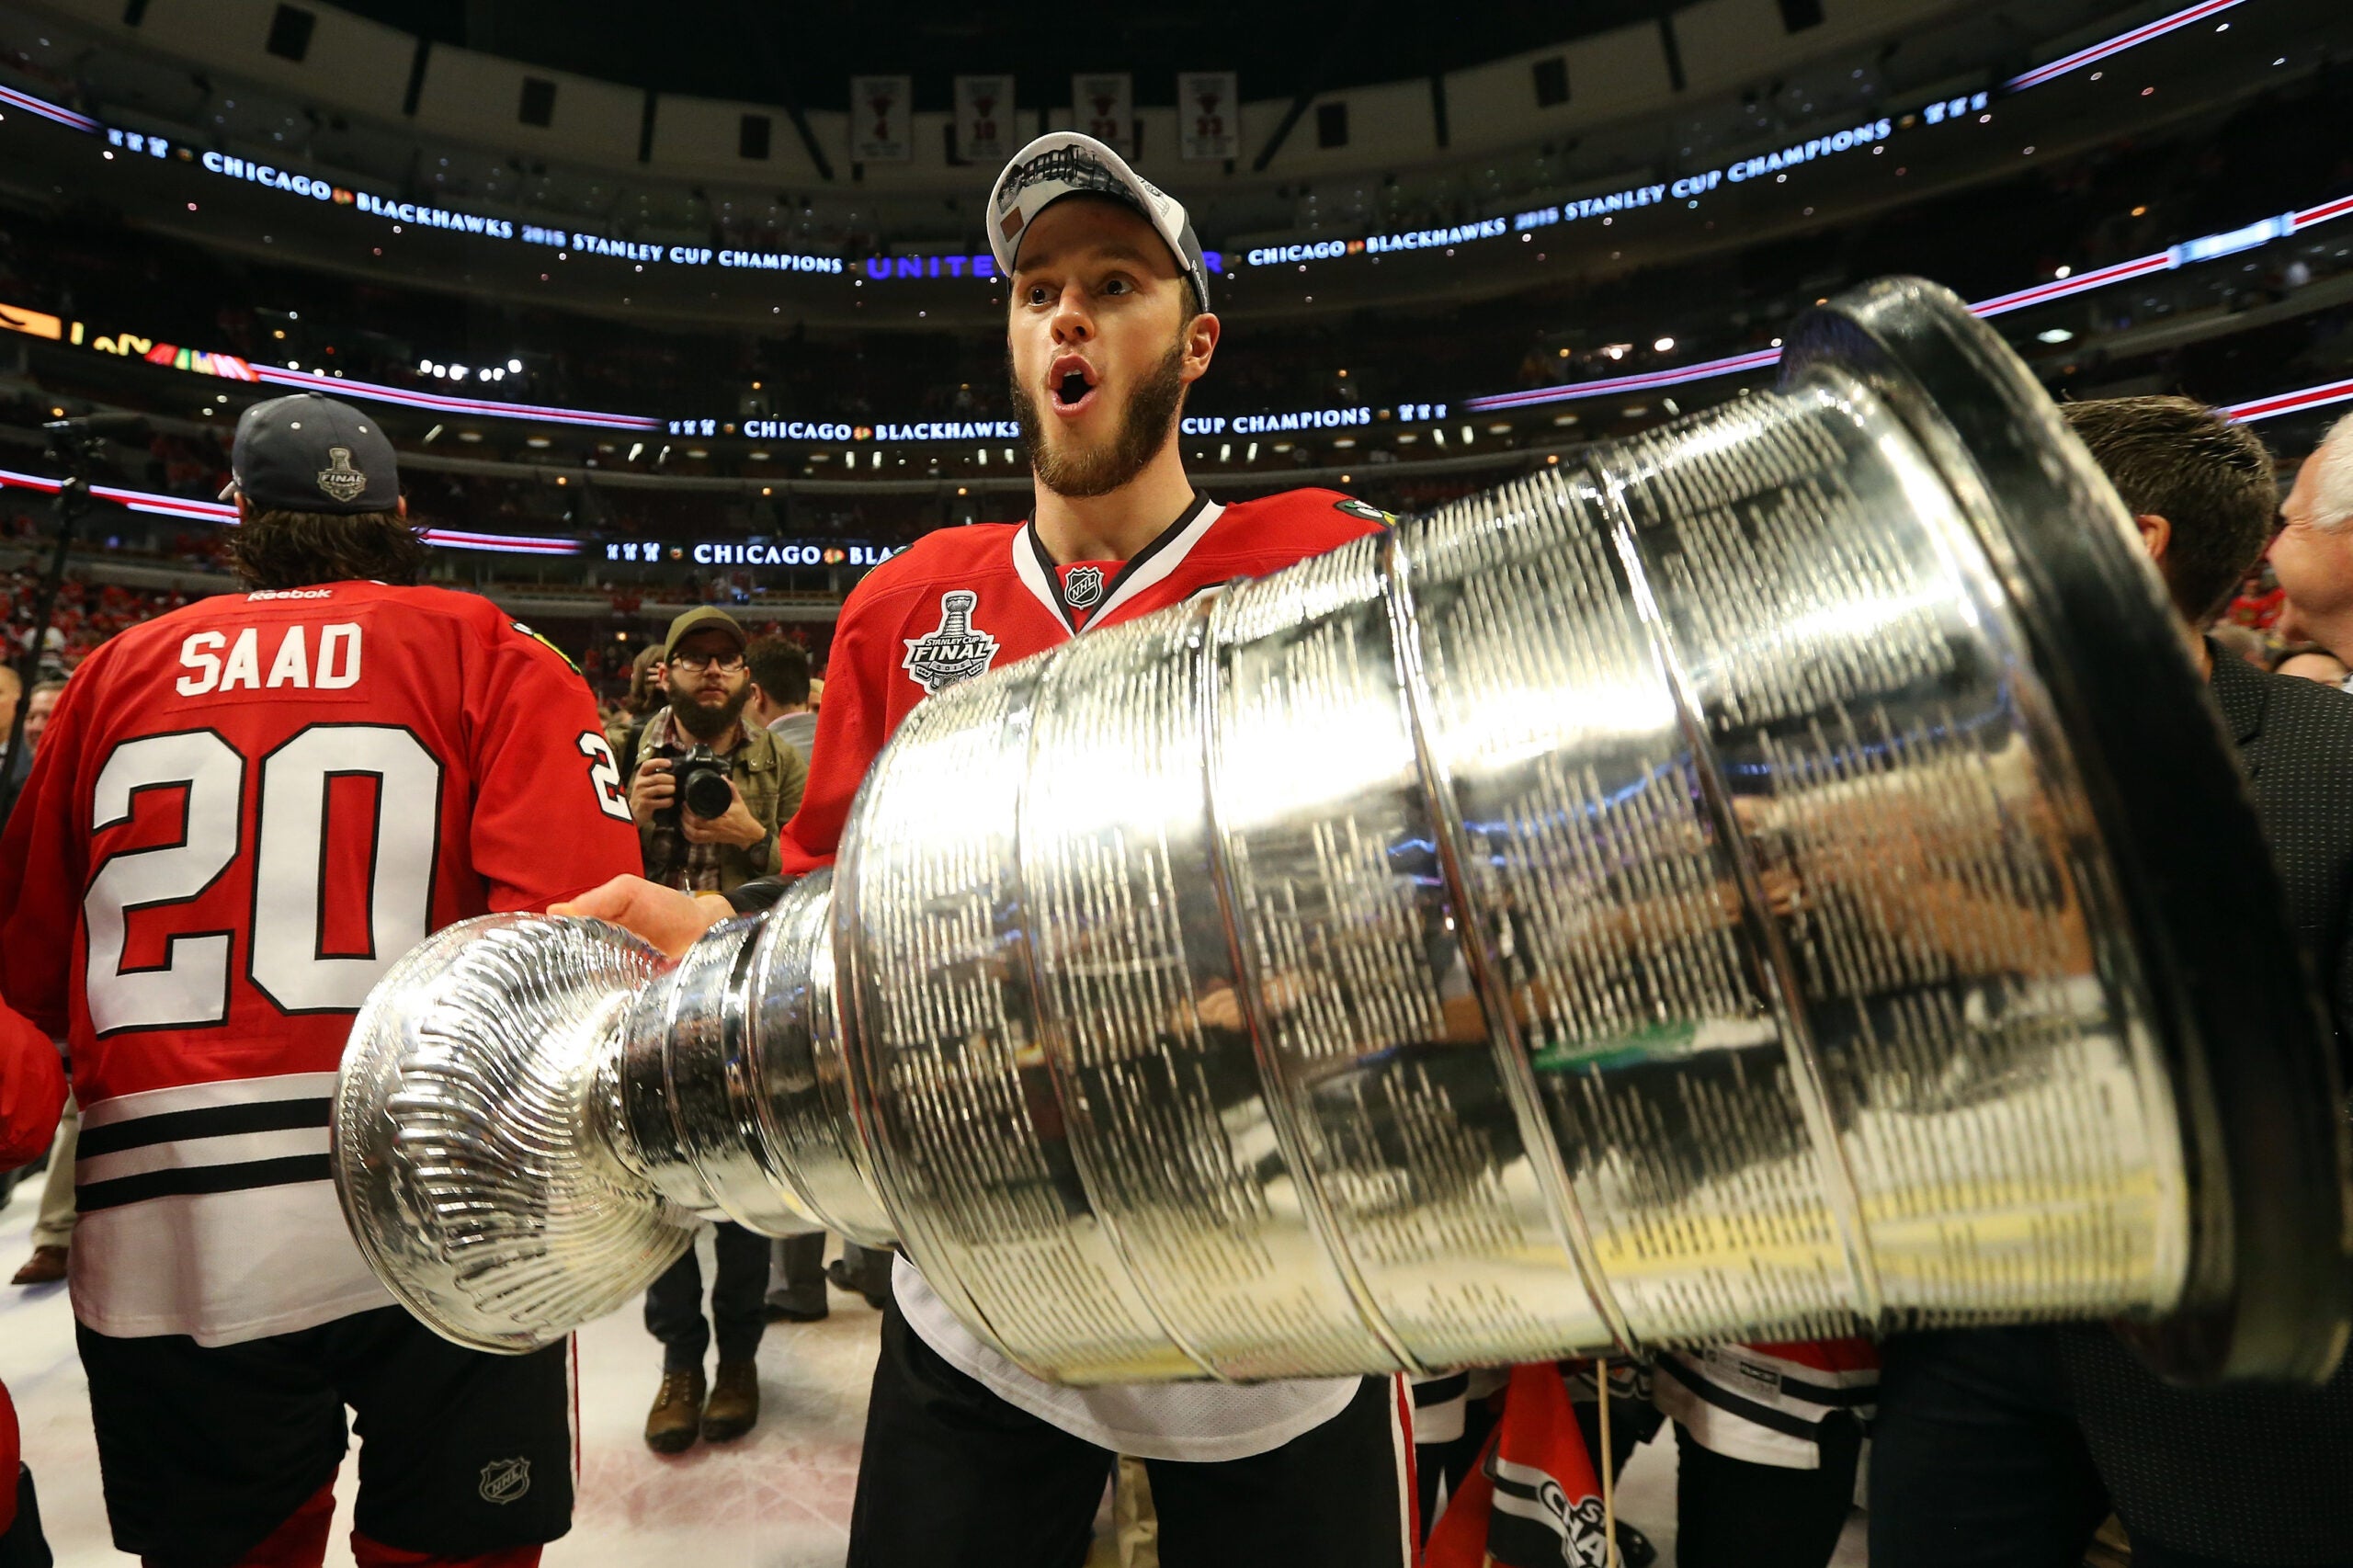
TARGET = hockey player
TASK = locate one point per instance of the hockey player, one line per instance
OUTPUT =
(968, 1459)
(245, 811)
(33, 1092)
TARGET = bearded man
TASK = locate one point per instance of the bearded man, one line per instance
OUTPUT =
(969, 1460)
(692, 847)
(709, 683)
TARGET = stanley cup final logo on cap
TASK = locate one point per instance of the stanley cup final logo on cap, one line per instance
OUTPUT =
(339, 479)
(1073, 166)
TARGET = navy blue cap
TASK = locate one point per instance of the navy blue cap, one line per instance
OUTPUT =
(309, 453)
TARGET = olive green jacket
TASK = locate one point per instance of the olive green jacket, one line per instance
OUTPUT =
(770, 777)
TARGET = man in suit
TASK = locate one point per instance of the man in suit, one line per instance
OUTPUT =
(2313, 554)
(2008, 1446)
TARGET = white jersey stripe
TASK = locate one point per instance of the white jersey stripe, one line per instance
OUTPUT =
(204, 1097)
(1164, 561)
(191, 1152)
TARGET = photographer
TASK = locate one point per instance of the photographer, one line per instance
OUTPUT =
(707, 792)
(695, 838)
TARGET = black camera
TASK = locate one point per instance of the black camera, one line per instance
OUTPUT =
(700, 785)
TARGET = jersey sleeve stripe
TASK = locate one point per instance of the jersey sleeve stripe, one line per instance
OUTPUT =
(180, 1180)
(1746, 1409)
(213, 1121)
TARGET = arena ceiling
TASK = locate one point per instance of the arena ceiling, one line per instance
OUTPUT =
(803, 55)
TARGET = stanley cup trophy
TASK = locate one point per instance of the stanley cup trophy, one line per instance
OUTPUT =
(1773, 875)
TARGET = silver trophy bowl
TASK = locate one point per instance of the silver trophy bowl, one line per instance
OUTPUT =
(1775, 876)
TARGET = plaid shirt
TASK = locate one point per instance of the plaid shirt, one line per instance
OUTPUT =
(670, 858)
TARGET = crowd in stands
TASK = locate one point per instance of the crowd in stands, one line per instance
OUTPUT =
(84, 615)
(2120, 199)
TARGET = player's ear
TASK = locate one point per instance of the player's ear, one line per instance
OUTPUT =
(400, 507)
(1201, 345)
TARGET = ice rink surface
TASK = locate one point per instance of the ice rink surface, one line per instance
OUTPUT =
(777, 1498)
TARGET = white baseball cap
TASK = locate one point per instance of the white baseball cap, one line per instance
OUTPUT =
(1065, 163)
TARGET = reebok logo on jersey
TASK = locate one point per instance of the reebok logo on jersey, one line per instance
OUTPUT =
(954, 650)
(258, 594)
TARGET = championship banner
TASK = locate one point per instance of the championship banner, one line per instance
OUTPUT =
(984, 125)
(1209, 116)
(1104, 107)
(879, 119)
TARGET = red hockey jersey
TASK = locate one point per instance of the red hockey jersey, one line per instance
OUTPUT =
(1766, 1403)
(241, 814)
(33, 1092)
(965, 600)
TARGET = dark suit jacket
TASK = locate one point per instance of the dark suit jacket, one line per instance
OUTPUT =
(2255, 1472)
(2295, 742)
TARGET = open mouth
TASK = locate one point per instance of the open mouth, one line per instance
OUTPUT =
(1072, 381)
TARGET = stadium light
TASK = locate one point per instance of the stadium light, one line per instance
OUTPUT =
(1664, 345)
(2054, 335)
(516, 366)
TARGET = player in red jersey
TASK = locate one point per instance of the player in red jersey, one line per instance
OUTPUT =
(33, 1092)
(968, 1459)
(244, 812)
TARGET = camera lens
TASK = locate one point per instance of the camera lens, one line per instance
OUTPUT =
(706, 792)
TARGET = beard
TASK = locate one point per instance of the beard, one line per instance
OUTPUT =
(707, 724)
(1098, 469)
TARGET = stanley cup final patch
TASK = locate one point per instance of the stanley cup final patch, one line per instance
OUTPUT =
(339, 479)
(954, 650)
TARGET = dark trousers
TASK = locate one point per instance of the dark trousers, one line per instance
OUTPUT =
(801, 1274)
(673, 1302)
(205, 1450)
(867, 1267)
(1980, 1457)
(1732, 1513)
(22, 1544)
(954, 1477)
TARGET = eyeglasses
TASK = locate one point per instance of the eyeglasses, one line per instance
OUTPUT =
(695, 664)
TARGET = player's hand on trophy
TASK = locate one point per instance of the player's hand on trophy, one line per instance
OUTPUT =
(650, 789)
(669, 919)
(736, 825)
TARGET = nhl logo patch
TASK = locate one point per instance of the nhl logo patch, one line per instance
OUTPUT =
(339, 479)
(954, 650)
(1083, 586)
(504, 1481)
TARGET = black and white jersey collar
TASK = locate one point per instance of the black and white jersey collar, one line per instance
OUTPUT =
(1151, 565)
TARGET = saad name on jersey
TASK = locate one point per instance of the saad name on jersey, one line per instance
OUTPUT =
(309, 658)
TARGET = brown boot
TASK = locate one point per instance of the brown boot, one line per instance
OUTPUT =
(734, 1406)
(46, 1266)
(677, 1411)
